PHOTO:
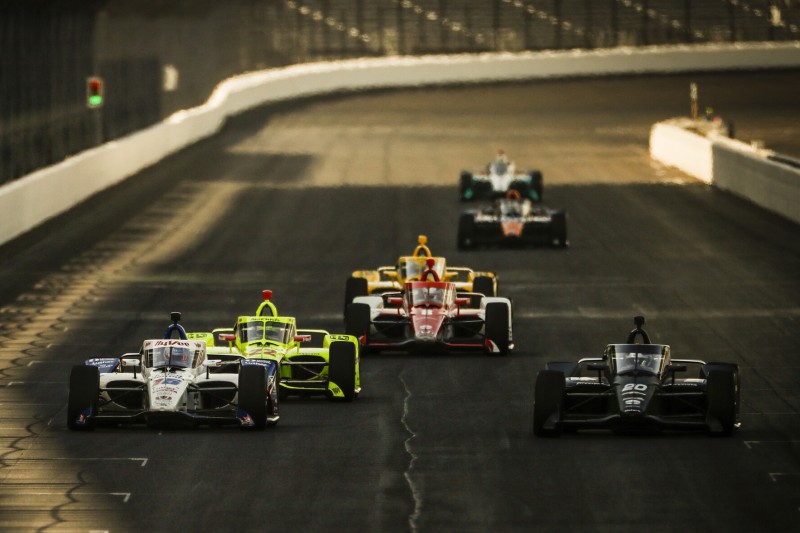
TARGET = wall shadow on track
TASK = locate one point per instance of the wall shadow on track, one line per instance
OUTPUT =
(685, 251)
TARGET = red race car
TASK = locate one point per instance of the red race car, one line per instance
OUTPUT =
(431, 316)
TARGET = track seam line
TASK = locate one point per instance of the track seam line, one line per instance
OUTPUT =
(415, 491)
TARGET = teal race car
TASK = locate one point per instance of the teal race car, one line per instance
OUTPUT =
(311, 361)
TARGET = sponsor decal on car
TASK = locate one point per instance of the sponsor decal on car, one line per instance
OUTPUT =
(184, 344)
(167, 381)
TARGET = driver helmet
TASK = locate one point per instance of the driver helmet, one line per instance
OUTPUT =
(273, 333)
(430, 262)
(178, 355)
(649, 362)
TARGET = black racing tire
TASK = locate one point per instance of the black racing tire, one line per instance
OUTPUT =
(253, 393)
(522, 187)
(357, 320)
(273, 399)
(559, 229)
(484, 285)
(465, 186)
(548, 401)
(466, 231)
(496, 325)
(536, 190)
(342, 368)
(355, 287)
(721, 400)
(84, 392)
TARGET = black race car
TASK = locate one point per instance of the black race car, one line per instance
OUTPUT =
(512, 221)
(636, 387)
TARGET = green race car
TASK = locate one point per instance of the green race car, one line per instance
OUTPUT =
(311, 361)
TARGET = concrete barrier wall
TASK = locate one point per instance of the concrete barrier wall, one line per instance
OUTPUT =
(728, 164)
(29, 201)
(674, 144)
(746, 172)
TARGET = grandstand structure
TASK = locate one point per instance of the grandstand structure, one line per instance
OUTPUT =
(159, 56)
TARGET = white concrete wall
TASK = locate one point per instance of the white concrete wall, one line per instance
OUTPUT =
(728, 164)
(31, 200)
(674, 144)
(747, 172)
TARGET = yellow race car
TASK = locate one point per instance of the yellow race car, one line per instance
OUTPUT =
(410, 268)
(310, 361)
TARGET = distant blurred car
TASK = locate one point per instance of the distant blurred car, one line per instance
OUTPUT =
(512, 221)
(499, 177)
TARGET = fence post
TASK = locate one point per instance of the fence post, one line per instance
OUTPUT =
(614, 23)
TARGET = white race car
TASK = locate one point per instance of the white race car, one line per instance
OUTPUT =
(499, 177)
(171, 381)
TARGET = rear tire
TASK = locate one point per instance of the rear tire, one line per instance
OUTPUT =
(721, 400)
(342, 368)
(253, 393)
(466, 231)
(357, 320)
(496, 325)
(484, 285)
(537, 186)
(465, 189)
(355, 287)
(548, 401)
(84, 392)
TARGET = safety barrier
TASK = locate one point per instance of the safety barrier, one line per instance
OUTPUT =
(31, 200)
(751, 172)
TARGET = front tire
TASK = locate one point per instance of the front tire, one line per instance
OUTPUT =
(484, 285)
(253, 394)
(548, 403)
(342, 368)
(84, 392)
(497, 325)
(721, 402)
(559, 229)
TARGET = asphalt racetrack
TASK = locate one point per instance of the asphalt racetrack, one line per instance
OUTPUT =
(294, 198)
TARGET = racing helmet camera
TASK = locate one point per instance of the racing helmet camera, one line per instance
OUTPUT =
(175, 316)
(267, 305)
(638, 322)
(422, 247)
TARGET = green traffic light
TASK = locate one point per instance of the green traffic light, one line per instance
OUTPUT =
(95, 100)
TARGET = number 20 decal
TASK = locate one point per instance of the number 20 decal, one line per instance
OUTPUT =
(639, 387)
